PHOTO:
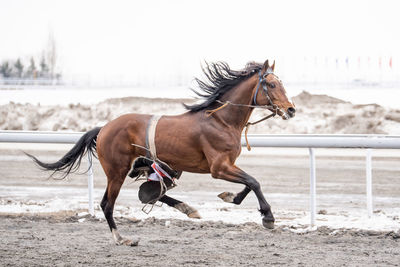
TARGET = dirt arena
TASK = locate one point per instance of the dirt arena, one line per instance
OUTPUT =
(60, 240)
(65, 238)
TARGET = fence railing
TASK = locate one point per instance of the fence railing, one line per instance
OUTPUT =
(367, 142)
(29, 82)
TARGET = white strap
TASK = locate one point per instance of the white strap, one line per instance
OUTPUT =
(152, 135)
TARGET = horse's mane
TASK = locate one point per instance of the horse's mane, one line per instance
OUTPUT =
(220, 79)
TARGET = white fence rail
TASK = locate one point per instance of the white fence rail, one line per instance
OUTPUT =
(294, 141)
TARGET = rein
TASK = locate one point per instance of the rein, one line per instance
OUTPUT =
(252, 123)
(226, 103)
(262, 81)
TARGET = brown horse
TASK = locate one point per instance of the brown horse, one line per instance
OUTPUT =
(206, 139)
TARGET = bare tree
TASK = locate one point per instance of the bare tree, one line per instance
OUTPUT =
(51, 54)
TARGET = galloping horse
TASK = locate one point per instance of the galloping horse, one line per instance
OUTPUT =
(206, 139)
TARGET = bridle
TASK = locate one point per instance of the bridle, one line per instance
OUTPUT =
(262, 80)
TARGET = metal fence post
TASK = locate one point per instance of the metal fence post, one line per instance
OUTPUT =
(90, 184)
(368, 170)
(313, 192)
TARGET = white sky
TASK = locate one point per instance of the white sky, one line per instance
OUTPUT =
(121, 37)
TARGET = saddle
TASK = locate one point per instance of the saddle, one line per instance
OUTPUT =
(142, 167)
(151, 190)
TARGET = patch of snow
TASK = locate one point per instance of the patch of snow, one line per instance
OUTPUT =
(30, 200)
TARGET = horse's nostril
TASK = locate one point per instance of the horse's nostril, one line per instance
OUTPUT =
(291, 110)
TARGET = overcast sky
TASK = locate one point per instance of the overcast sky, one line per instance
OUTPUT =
(120, 37)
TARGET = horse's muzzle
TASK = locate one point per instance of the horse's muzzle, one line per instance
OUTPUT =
(291, 112)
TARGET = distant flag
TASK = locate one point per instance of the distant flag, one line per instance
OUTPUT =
(390, 62)
(380, 62)
(369, 61)
(347, 62)
(359, 62)
(337, 62)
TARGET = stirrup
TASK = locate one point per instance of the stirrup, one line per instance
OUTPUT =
(151, 208)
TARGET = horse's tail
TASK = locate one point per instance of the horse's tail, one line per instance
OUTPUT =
(72, 160)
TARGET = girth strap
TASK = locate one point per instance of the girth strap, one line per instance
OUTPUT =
(150, 137)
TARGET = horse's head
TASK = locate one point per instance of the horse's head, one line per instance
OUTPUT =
(270, 92)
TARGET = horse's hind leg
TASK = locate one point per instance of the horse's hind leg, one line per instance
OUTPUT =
(181, 206)
(235, 198)
(107, 204)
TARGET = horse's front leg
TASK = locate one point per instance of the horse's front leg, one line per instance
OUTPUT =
(231, 173)
(235, 198)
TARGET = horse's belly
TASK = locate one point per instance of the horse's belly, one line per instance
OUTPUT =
(188, 160)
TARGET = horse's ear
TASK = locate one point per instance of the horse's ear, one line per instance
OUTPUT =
(273, 66)
(266, 65)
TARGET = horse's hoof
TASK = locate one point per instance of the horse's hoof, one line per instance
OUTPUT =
(268, 223)
(189, 211)
(119, 240)
(128, 242)
(227, 196)
(194, 215)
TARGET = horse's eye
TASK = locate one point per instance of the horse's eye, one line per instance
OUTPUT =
(272, 85)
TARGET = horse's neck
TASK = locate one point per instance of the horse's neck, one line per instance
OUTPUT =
(237, 116)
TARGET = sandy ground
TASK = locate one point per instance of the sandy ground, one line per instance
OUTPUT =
(60, 240)
(65, 238)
